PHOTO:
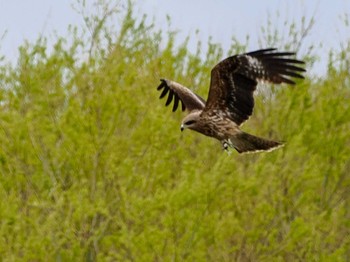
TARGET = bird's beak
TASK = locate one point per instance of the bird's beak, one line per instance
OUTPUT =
(182, 128)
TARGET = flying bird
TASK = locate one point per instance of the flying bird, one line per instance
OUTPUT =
(230, 101)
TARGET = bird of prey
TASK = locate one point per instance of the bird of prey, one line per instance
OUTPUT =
(230, 101)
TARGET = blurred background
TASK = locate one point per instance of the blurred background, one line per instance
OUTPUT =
(93, 166)
(222, 21)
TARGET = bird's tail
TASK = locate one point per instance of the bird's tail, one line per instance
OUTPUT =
(246, 143)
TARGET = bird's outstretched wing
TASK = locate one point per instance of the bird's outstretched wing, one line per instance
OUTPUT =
(235, 78)
(189, 100)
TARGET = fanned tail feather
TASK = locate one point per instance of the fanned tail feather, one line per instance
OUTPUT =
(246, 143)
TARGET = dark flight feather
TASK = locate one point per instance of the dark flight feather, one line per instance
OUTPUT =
(177, 92)
(234, 80)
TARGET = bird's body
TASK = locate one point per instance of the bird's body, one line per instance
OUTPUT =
(230, 100)
(213, 125)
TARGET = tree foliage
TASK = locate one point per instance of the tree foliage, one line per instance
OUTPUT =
(92, 166)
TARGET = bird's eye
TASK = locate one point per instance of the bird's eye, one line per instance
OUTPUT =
(190, 122)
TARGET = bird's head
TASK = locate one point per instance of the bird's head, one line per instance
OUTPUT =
(191, 121)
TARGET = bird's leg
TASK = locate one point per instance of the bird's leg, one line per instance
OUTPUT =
(226, 144)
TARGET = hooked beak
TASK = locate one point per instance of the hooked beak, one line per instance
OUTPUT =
(182, 128)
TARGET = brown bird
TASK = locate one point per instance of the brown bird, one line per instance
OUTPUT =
(230, 100)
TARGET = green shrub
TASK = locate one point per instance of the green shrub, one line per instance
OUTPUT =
(93, 167)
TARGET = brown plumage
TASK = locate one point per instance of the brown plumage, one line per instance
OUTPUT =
(230, 100)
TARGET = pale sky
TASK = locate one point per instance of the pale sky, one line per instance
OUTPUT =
(221, 19)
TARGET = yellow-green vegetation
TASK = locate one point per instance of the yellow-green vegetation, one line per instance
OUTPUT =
(94, 167)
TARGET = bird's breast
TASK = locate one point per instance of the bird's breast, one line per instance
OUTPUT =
(217, 126)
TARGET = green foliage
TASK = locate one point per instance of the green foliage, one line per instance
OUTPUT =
(93, 167)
